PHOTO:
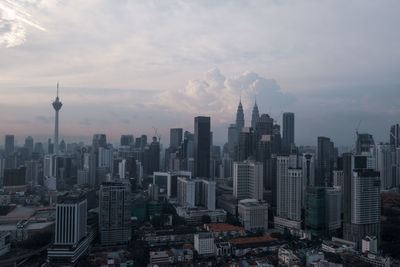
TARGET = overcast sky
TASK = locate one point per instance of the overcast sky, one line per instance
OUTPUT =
(128, 66)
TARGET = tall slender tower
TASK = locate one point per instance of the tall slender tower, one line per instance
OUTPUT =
(57, 106)
(254, 115)
(240, 117)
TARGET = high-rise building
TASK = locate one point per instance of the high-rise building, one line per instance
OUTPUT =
(196, 192)
(254, 115)
(364, 143)
(202, 146)
(175, 137)
(264, 156)
(308, 161)
(99, 140)
(115, 213)
(323, 210)
(263, 126)
(71, 239)
(232, 139)
(365, 206)
(9, 144)
(394, 135)
(384, 165)
(246, 144)
(325, 161)
(71, 219)
(288, 130)
(248, 180)
(29, 146)
(57, 106)
(289, 195)
(239, 117)
(186, 192)
(127, 140)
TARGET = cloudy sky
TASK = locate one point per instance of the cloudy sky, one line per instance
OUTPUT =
(128, 66)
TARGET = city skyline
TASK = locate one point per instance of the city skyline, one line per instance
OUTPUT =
(291, 63)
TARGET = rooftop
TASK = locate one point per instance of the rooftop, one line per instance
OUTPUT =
(248, 240)
(222, 227)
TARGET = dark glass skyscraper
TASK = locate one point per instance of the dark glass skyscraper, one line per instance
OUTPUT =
(240, 117)
(394, 135)
(288, 130)
(175, 137)
(9, 144)
(202, 143)
(325, 161)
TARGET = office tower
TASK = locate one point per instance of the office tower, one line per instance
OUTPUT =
(263, 126)
(364, 143)
(263, 155)
(154, 191)
(175, 137)
(71, 240)
(240, 117)
(365, 206)
(325, 161)
(83, 177)
(29, 146)
(232, 138)
(71, 219)
(333, 209)
(245, 146)
(384, 165)
(127, 140)
(208, 194)
(248, 180)
(276, 139)
(143, 141)
(122, 169)
(154, 156)
(394, 136)
(57, 106)
(254, 115)
(99, 140)
(32, 172)
(172, 182)
(289, 194)
(253, 214)
(9, 145)
(115, 213)
(186, 192)
(288, 131)
(50, 146)
(105, 159)
(308, 169)
(161, 179)
(202, 145)
(323, 210)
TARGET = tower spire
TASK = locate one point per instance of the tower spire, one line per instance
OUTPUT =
(57, 89)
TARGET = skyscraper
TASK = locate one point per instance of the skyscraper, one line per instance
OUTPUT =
(254, 115)
(364, 143)
(202, 145)
(29, 145)
(115, 213)
(288, 130)
(289, 198)
(240, 117)
(394, 135)
(57, 106)
(9, 144)
(248, 180)
(127, 140)
(325, 161)
(175, 137)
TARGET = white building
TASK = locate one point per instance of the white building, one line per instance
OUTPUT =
(204, 243)
(248, 180)
(369, 244)
(253, 214)
(105, 158)
(209, 194)
(71, 220)
(186, 192)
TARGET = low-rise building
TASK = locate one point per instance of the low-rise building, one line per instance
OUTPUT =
(255, 245)
(253, 214)
(204, 244)
(224, 229)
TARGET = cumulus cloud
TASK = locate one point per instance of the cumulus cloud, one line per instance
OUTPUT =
(218, 96)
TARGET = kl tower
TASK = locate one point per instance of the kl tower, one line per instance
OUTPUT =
(57, 106)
